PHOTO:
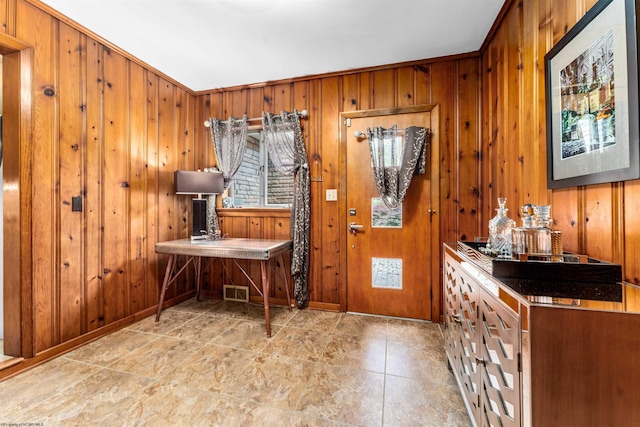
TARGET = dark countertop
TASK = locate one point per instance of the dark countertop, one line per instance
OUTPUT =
(572, 290)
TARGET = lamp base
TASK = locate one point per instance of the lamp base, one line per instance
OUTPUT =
(199, 226)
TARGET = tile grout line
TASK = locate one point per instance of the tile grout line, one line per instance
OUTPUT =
(384, 379)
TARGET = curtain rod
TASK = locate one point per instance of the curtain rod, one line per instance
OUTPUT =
(303, 113)
(360, 134)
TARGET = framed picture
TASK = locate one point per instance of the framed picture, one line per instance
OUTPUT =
(592, 99)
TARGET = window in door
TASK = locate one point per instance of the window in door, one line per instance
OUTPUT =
(386, 273)
(383, 217)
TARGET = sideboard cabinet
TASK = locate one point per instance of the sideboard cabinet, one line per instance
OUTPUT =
(527, 353)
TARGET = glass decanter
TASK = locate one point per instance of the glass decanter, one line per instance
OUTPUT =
(500, 227)
(521, 236)
(541, 234)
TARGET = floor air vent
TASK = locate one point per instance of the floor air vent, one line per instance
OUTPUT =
(236, 293)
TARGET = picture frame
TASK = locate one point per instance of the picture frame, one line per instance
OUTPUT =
(591, 87)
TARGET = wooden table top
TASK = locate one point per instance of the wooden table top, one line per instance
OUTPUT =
(239, 248)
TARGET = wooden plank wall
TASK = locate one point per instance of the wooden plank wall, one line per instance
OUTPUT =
(599, 220)
(112, 132)
(452, 83)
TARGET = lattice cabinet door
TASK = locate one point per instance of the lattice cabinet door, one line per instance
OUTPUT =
(499, 363)
(452, 314)
(467, 369)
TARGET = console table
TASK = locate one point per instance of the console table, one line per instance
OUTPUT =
(538, 353)
(234, 249)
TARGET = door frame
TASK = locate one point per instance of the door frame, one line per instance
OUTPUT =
(433, 156)
(17, 146)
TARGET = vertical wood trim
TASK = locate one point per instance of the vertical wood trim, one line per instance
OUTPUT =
(137, 137)
(94, 181)
(468, 159)
(631, 233)
(116, 156)
(617, 222)
(156, 267)
(456, 160)
(10, 19)
(55, 184)
(26, 203)
(18, 106)
(437, 205)
(43, 228)
(72, 149)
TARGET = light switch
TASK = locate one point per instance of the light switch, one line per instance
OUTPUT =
(76, 204)
(332, 195)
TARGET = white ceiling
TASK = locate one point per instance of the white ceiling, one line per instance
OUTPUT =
(210, 44)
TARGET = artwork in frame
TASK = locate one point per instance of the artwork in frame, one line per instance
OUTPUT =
(592, 99)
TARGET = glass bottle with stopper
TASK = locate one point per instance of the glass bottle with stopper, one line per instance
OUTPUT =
(536, 236)
(500, 227)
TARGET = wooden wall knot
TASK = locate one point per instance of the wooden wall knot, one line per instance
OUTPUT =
(49, 91)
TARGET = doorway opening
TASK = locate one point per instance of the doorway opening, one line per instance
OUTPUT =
(17, 90)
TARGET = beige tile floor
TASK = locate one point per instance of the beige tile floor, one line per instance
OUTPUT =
(210, 363)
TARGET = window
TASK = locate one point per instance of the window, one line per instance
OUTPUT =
(257, 183)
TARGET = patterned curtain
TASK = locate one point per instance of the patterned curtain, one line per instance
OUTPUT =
(229, 140)
(395, 160)
(212, 216)
(287, 152)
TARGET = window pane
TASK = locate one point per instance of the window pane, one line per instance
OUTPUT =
(246, 184)
(279, 187)
(249, 187)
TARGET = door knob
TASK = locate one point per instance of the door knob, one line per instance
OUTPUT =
(353, 227)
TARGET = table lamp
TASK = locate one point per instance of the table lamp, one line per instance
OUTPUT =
(191, 182)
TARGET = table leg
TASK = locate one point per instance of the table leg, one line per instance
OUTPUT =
(198, 268)
(165, 284)
(265, 294)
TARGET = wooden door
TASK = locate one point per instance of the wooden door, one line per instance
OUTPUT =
(389, 253)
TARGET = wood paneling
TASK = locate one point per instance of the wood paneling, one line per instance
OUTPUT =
(115, 130)
(252, 223)
(452, 84)
(71, 153)
(39, 29)
(105, 127)
(598, 220)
